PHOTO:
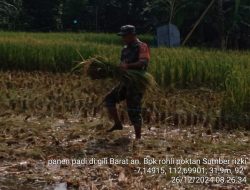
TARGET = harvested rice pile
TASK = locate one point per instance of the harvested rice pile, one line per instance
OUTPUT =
(100, 68)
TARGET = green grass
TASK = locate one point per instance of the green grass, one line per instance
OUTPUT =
(176, 68)
(100, 38)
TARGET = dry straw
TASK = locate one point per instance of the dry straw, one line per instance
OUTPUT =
(100, 68)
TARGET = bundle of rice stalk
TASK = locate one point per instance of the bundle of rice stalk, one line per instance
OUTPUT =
(99, 68)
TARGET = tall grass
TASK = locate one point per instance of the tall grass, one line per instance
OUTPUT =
(99, 38)
(236, 105)
(177, 68)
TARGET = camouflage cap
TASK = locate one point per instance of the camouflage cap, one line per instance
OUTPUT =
(127, 29)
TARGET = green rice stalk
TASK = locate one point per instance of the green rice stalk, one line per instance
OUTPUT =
(99, 68)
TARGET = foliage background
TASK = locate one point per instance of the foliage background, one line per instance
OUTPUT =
(226, 25)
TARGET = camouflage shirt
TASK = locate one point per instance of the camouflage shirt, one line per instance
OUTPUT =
(136, 52)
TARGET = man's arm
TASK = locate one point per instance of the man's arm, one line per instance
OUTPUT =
(137, 65)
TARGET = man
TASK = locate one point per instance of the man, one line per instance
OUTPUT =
(135, 55)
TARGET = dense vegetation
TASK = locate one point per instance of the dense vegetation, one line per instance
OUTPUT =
(173, 68)
(225, 24)
(199, 108)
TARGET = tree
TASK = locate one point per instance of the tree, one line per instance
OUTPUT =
(238, 25)
(42, 15)
(9, 13)
(75, 14)
(232, 23)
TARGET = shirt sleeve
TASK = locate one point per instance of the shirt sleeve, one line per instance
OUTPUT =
(144, 53)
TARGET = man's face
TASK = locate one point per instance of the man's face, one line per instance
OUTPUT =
(127, 39)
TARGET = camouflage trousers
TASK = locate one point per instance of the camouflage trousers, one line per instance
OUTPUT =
(132, 98)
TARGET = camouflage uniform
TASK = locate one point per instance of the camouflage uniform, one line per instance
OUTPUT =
(135, 52)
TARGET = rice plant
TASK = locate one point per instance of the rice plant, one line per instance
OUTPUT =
(101, 68)
(182, 68)
(236, 104)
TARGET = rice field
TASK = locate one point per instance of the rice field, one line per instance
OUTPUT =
(182, 68)
(46, 112)
(55, 116)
